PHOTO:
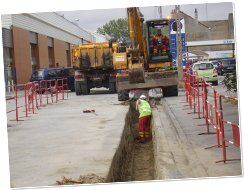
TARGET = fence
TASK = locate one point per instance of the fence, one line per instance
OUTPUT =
(212, 111)
(31, 96)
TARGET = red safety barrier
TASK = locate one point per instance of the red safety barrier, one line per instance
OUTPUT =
(186, 86)
(62, 84)
(235, 131)
(192, 92)
(15, 99)
(31, 93)
(206, 111)
(211, 112)
(195, 94)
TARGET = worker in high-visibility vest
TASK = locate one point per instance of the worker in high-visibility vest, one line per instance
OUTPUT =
(145, 113)
(159, 37)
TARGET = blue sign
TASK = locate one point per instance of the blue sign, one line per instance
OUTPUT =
(173, 30)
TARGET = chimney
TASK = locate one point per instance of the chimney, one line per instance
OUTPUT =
(196, 15)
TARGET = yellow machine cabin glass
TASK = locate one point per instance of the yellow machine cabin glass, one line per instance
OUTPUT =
(159, 46)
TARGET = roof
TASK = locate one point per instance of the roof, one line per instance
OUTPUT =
(192, 18)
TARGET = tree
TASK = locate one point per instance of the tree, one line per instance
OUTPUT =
(117, 29)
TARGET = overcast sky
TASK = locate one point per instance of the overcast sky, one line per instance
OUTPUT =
(94, 14)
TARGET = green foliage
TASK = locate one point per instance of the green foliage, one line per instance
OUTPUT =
(168, 68)
(230, 82)
(117, 29)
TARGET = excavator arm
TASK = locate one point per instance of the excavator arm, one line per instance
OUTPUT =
(142, 65)
(135, 24)
(137, 51)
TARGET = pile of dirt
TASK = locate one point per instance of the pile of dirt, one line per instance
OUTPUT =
(153, 103)
(124, 103)
(232, 101)
(83, 179)
(91, 178)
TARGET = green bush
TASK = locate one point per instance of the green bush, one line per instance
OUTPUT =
(230, 82)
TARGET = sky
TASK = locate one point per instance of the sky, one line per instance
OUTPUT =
(94, 14)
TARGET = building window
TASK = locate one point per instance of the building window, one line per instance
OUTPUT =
(9, 64)
(33, 56)
(50, 57)
(67, 57)
(68, 54)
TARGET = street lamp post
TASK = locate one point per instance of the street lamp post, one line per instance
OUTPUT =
(179, 61)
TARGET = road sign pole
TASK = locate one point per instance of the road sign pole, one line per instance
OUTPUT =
(179, 60)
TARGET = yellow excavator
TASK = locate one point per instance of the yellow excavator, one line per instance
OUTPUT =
(147, 69)
(128, 66)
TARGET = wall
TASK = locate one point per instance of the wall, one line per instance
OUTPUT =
(21, 54)
(194, 31)
(219, 29)
(59, 53)
(42, 47)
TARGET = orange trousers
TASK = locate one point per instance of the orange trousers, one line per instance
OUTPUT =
(155, 49)
(144, 128)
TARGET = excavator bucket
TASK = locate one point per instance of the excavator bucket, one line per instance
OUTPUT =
(152, 80)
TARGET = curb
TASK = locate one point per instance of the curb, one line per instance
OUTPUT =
(193, 159)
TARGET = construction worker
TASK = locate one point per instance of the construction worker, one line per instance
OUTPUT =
(159, 37)
(145, 113)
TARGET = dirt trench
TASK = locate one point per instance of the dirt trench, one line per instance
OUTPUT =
(132, 161)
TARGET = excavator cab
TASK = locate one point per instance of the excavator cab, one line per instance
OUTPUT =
(159, 50)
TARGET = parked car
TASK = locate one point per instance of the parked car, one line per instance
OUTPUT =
(216, 63)
(54, 73)
(207, 71)
(227, 66)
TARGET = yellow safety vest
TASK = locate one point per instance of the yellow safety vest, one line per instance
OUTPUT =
(144, 109)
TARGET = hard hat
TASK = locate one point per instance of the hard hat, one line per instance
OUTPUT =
(143, 97)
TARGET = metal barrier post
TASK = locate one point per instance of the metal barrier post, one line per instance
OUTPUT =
(56, 86)
(16, 102)
(188, 77)
(67, 87)
(26, 112)
(46, 91)
(36, 93)
(185, 84)
(32, 98)
(206, 110)
(62, 88)
(222, 130)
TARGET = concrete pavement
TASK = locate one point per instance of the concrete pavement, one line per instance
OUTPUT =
(183, 149)
(62, 140)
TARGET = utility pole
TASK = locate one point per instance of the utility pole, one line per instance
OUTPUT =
(160, 12)
(179, 59)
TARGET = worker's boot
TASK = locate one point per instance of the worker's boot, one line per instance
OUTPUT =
(141, 141)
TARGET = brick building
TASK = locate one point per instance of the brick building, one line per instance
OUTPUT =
(38, 40)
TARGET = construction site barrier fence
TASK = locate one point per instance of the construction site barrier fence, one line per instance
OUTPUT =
(33, 95)
(212, 111)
